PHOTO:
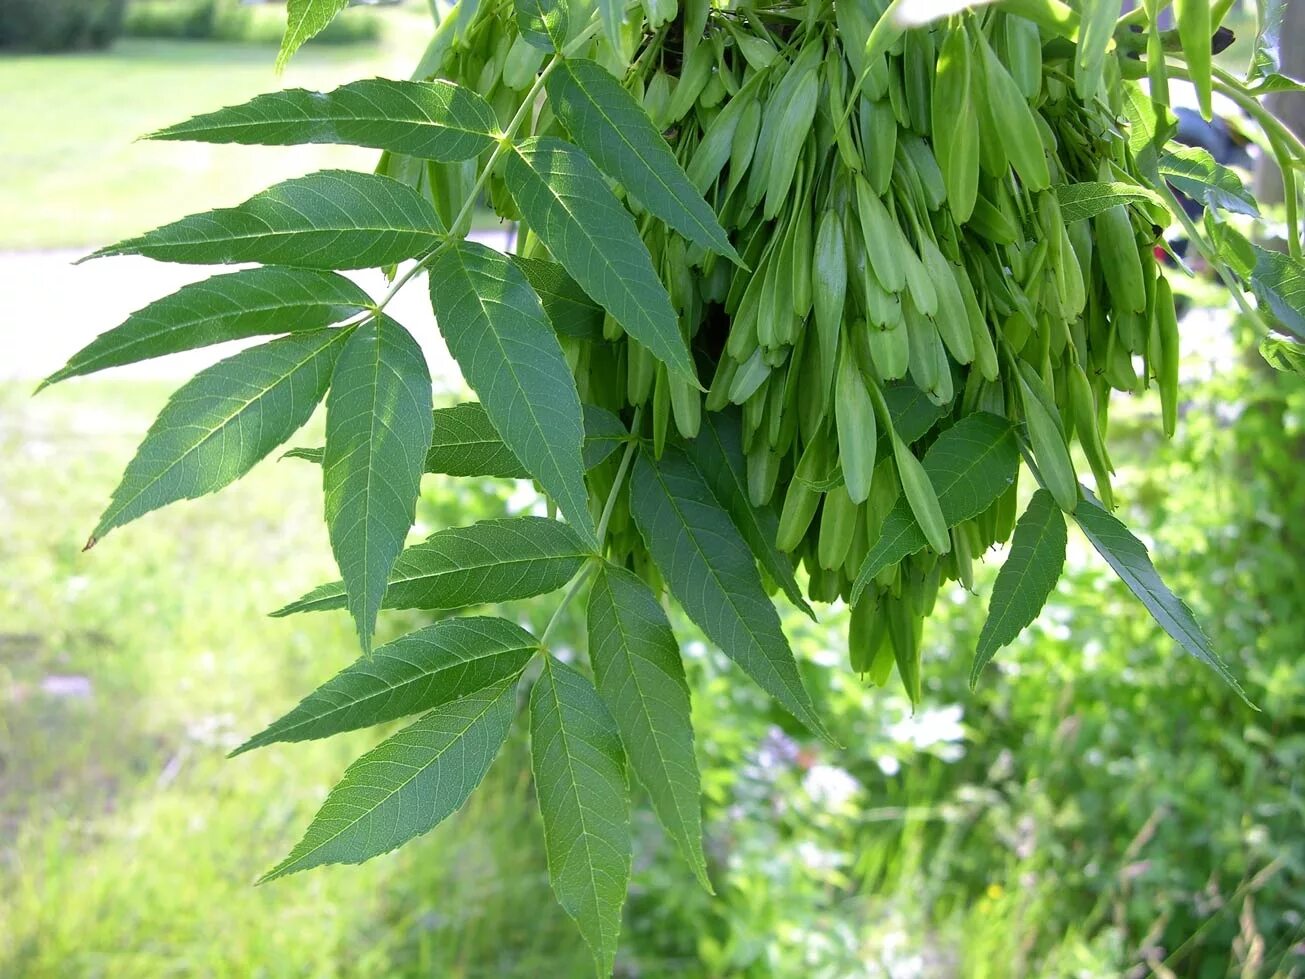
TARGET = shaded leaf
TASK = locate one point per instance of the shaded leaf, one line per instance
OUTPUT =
(718, 454)
(568, 308)
(378, 430)
(613, 128)
(222, 421)
(234, 306)
(465, 443)
(713, 575)
(333, 219)
(1129, 559)
(435, 120)
(640, 677)
(970, 465)
(488, 562)
(422, 670)
(1266, 57)
(497, 332)
(1193, 172)
(579, 767)
(407, 784)
(1036, 559)
(912, 412)
(566, 202)
(1283, 354)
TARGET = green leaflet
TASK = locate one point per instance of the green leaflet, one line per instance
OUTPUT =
(718, 454)
(713, 575)
(568, 205)
(544, 23)
(333, 219)
(497, 332)
(435, 120)
(619, 137)
(970, 465)
(1283, 355)
(378, 430)
(1090, 198)
(569, 310)
(1128, 557)
(407, 784)
(222, 421)
(485, 563)
(464, 442)
(1279, 283)
(580, 779)
(640, 677)
(252, 302)
(1037, 556)
(1194, 172)
(304, 18)
(422, 670)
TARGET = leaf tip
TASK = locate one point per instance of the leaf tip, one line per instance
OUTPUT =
(90, 542)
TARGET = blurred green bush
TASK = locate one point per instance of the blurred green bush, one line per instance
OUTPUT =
(231, 20)
(59, 25)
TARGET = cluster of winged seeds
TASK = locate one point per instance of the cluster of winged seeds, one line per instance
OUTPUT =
(943, 228)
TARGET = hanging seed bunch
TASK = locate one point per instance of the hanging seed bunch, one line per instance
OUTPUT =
(931, 228)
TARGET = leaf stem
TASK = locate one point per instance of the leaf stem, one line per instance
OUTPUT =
(603, 522)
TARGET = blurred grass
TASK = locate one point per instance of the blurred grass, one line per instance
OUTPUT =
(75, 173)
(128, 843)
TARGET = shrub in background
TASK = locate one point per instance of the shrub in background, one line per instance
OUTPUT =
(230, 20)
(59, 25)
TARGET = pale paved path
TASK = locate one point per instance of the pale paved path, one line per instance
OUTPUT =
(54, 308)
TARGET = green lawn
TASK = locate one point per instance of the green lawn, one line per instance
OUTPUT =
(128, 843)
(74, 173)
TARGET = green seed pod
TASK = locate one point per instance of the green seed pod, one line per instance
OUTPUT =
(885, 246)
(854, 416)
(1119, 262)
(878, 143)
(837, 526)
(921, 497)
(1047, 439)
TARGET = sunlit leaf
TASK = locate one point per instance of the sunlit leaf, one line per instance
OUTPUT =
(304, 19)
(435, 120)
(1195, 173)
(613, 128)
(1088, 199)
